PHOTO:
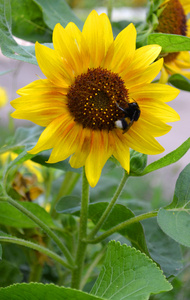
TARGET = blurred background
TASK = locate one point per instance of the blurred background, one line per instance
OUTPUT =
(20, 74)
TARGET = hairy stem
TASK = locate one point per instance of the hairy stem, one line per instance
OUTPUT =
(37, 247)
(81, 247)
(122, 226)
(109, 207)
(43, 226)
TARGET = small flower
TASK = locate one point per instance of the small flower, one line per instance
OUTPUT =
(98, 99)
(3, 97)
(173, 20)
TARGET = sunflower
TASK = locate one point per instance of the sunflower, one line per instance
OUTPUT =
(98, 99)
(173, 20)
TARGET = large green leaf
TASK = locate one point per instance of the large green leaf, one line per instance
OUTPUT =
(40, 291)
(10, 216)
(9, 273)
(174, 220)
(129, 274)
(168, 159)
(179, 81)
(134, 232)
(28, 24)
(9, 46)
(170, 42)
(57, 12)
(164, 250)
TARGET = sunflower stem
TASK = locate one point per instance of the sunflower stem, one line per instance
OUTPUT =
(122, 226)
(110, 9)
(81, 247)
(34, 246)
(109, 207)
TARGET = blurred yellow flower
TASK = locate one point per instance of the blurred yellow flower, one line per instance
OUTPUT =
(3, 97)
(98, 99)
(173, 20)
(32, 167)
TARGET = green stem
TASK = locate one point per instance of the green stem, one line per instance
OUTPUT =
(43, 226)
(122, 226)
(35, 272)
(81, 248)
(37, 247)
(110, 8)
(109, 207)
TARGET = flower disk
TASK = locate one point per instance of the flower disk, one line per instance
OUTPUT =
(92, 99)
(93, 83)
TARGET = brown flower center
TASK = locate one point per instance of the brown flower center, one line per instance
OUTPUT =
(172, 20)
(95, 97)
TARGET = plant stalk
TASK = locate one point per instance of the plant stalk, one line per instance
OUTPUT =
(109, 207)
(122, 226)
(81, 247)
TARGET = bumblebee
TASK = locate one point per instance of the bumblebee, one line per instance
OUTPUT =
(131, 114)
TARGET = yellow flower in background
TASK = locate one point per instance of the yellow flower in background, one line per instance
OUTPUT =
(3, 97)
(173, 20)
(32, 167)
(98, 99)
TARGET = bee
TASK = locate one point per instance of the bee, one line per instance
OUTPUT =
(131, 114)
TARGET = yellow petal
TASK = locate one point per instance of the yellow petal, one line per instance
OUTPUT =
(143, 57)
(124, 50)
(41, 86)
(156, 91)
(3, 97)
(158, 109)
(43, 109)
(121, 152)
(82, 46)
(52, 133)
(146, 76)
(68, 48)
(98, 34)
(100, 151)
(66, 144)
(143, 142)
(52, 66)
(153, 127)
(164, 76)
(78, 159)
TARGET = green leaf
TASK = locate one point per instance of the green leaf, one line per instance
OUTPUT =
(9, 46)
(40, 291)
(168, 159)
(170, 42)
(68, 204)
(168, 257)
(58, 12)
(119, 214)
(10, 216)
(179, 81)
(174, 220)
(11, 274)
(129, 274)
(1, 252)
(28, 24)
(23, 138)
